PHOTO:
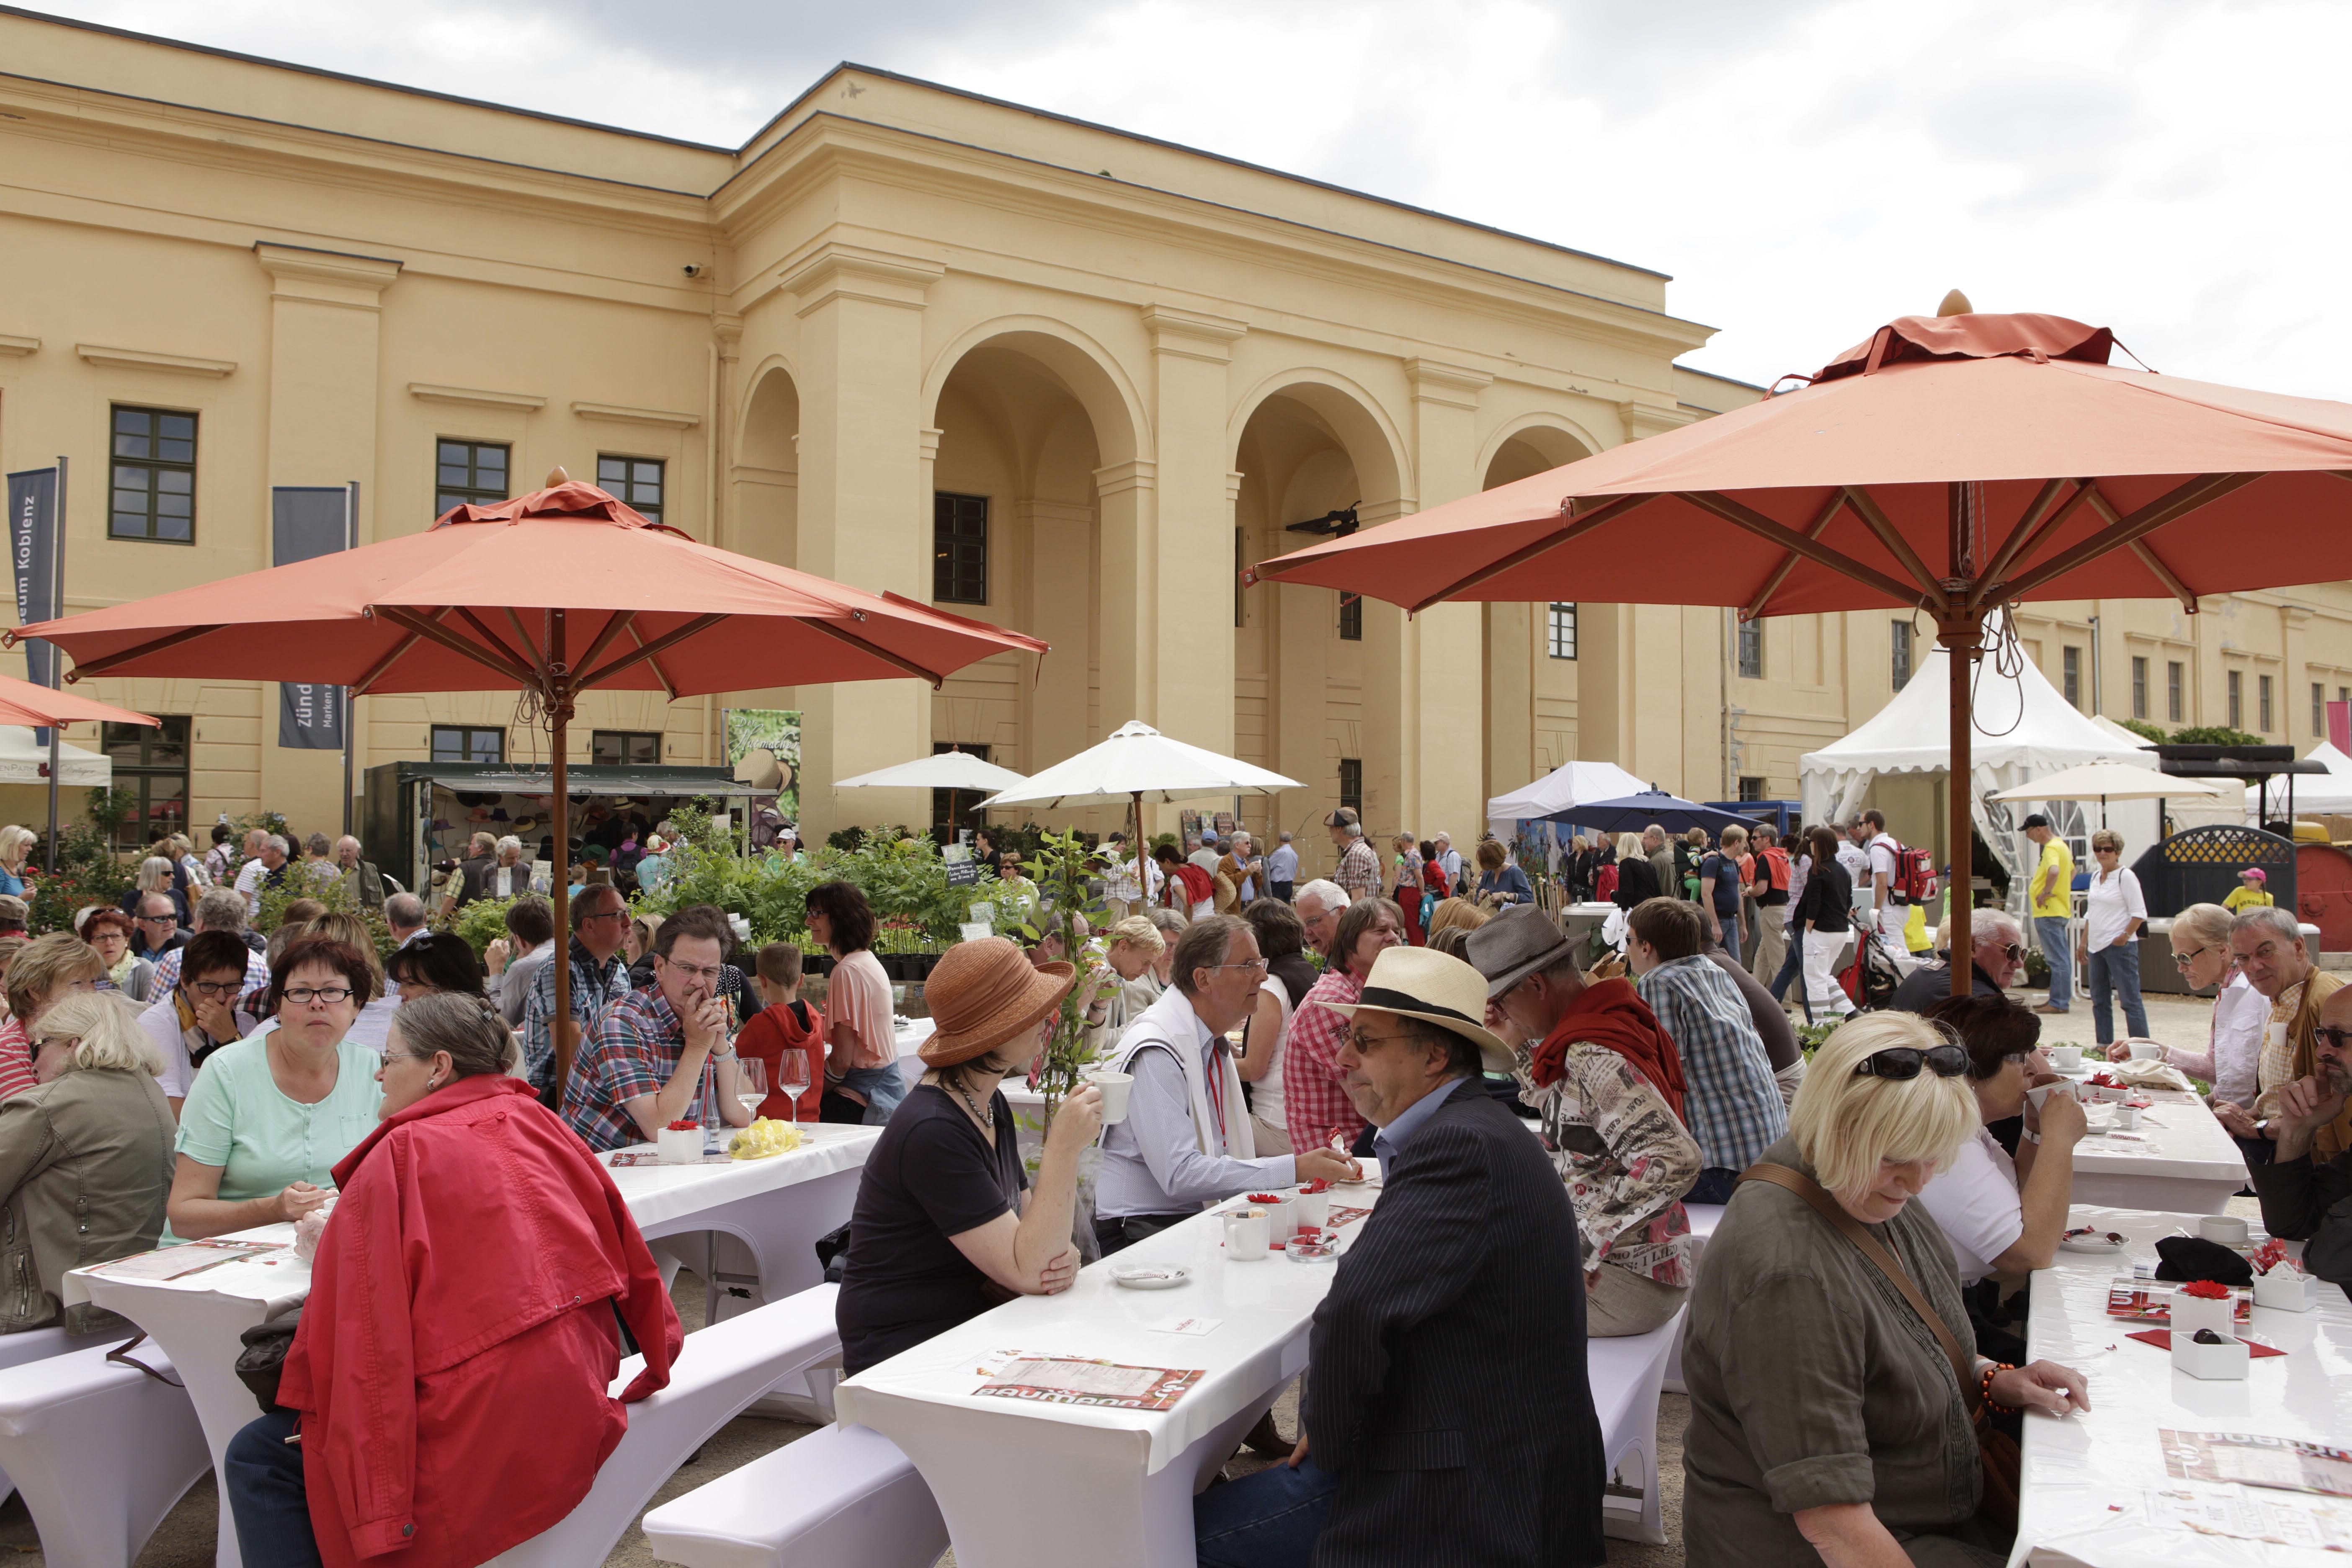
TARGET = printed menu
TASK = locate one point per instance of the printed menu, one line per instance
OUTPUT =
(2254, 1460)
(2150, 1300)
(179, 1262)
(1065, 1380)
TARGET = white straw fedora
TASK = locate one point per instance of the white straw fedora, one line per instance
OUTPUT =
(1420, 982)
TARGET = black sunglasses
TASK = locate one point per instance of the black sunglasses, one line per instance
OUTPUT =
(1903, 1062)
(2333, 1037)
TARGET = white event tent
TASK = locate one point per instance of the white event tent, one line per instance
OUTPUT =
(25, 777)
(2023, 730)
(2314, 796)
(1569, 785)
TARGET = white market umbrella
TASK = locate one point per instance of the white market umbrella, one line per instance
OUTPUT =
(2103, 782)
(958, 772)
(1137, 763)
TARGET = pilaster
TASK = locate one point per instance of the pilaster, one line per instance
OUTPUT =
(1191, 684)
(1445, 675)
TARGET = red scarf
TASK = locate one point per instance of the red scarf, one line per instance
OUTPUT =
(1612, 1013)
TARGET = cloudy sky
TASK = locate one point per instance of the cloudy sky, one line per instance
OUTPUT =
(1805, 169)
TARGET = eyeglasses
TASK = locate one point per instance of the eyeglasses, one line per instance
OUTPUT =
(1255, 966)
(1903, 1062)
(696, 971)
(158, 920)
(218, 990)
(1362, 1043)
(605, 915)
(2011, 951)
(303, 995)
(2333, 1038)
(2183, 960)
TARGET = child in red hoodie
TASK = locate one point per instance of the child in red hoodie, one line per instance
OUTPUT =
(785, 1023)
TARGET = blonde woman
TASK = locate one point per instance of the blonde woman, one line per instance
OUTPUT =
(1134, 945)
(2113, 912)
(154, 876)
(1805, 1361)
(15, 845)
(1451, 914)
(182, 854)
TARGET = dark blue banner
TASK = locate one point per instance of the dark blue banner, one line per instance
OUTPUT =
(307, 521)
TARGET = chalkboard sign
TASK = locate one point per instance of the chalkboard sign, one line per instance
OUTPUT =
(963, 873)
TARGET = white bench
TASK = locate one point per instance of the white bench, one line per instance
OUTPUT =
(722, 1370)
(843, 1497)
(1626, 1374)
(101, 1451)
(38, 1345)
(1703, 1218)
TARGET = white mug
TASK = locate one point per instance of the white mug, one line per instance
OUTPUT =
(1114, 1087)
(1246, 1238)
(2064, 1058)
(2143, 1050)
(2226, 1229)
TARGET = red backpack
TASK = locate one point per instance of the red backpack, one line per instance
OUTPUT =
(1774, 864)
(1914, 875)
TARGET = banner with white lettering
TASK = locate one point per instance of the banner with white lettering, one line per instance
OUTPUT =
(33, 552)
(307, 521)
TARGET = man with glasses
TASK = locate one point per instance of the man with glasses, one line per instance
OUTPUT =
(2271, 951)
(1187, 1141)
(195, 1016)
(2303, 1190)
(663, 1054)
(156, 929)
(222, 909)
(1996, 955)
(600, 978)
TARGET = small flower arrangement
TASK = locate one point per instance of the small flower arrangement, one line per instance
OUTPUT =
(684, 1124)
(2206, 1290)
(1318, 1185)
(1263, 1198)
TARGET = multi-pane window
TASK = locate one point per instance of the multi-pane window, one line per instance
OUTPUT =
(637, 482)
(958, 549)
(625, 748)
(1751, 649)
(1352, 617)
(468, 473)
(1752, 785)
(2318, 712)
(469, 743)
(2072, 668)
(2173, 681)
(152, 763)
(2139, 687)
(2237, 689)
(2263, 701)
(958, 809)
(1559, 631)
(1901, 668)
(154, 480)
(1351, 784)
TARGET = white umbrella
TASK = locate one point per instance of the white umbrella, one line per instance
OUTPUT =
(1138, 764)
(944, 770)
(2103, 782)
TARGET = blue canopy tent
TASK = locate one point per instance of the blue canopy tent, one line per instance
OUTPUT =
(1632, 812)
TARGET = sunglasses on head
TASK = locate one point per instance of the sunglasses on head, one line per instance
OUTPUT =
(1903, 1062)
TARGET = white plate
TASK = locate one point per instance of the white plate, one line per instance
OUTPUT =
(2090, 1244)
(1149, 1277)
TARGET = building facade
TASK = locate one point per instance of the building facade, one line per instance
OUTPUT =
(1034, 371)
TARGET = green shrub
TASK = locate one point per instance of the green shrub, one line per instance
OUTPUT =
(2215, 735)
(2145, 731)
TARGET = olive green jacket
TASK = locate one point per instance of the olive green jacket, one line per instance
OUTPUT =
(86, 1162)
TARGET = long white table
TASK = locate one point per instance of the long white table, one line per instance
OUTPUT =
(1124, 1480)
(2180, 1159)
(2086, 1498)
(198, 1319)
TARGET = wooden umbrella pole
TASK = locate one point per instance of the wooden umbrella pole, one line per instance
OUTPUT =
(558, 696)
(1960, 630)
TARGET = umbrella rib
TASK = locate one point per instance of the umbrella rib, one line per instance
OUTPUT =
(1570, 528)
(1865, 505)
(840, 634)
(2029, 531)
(375, 671)
(2168, 508)
(1788, 561)
(523, 637)
(613, 626)
(434, 632)
(669, 686)
(646, 650)
(2147, 556)
(1755, 522)
(495, 640)
(116, 660)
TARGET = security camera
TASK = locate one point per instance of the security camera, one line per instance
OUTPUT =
(695, 269)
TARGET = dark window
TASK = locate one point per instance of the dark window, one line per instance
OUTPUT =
(625, 748)
(2318, 712)
(2237, 701)
(1559, 631)
(955, 808)
(468, 472)
(1238, 566)
(1351, 785)
(465, 743)
(958, 549)
(2263, 701)
(635, 480)
(152, 764)
(2172, 682)
(1901, 668)
(1752, 787)
(1352, 617)
(154, 475)
(1751, 649)
(2139, 688)
(2071, 675)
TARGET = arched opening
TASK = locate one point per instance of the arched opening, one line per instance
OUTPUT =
(1534, 653)
(766, 470)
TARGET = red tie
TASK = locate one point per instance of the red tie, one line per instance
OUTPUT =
(1217, 1090)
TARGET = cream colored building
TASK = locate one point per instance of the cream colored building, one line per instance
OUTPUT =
(1055, 376)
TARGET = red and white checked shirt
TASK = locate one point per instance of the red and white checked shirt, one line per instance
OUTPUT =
(1359, 874)
(1313, 1100)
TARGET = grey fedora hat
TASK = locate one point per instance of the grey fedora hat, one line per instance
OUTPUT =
(1514, 944)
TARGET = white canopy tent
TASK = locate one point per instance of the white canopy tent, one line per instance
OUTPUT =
(1567, 786)
(2024, 729)
(24, 762)
(2121, 735)
(2314, 796)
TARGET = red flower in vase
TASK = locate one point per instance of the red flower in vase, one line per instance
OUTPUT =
(2206, 1290)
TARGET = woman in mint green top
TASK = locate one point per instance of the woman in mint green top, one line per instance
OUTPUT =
(268, 1116)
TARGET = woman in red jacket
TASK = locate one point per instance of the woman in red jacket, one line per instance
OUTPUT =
(449, 1379)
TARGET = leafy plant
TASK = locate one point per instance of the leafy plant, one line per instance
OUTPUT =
(1060, 868)
(87, 873)
(110, 808)
(482, 922)
(1810, 1037)
(2145, 731)
(2215, 735)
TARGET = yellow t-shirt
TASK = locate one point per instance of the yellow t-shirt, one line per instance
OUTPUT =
(2242, 897)
(2060, 900)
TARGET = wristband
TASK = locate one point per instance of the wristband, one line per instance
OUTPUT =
(1984, 1387)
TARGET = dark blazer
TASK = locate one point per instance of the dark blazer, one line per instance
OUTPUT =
(1637, 881)
(1448, 1392)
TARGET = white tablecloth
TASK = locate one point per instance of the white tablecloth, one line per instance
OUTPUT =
(2083, 1501)
(2179, 1160)
(1124, 1480)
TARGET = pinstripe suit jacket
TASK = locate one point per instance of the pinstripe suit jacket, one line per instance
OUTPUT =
(1448, 1391)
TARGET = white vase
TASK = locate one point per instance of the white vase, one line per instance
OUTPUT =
(2286, 1288)
(2191, 1313)
(679, 1145)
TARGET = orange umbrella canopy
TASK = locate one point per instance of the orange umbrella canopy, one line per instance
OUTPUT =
(23, 702)
(2076, 479)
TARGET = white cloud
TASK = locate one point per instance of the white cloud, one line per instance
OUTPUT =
(1806, 171)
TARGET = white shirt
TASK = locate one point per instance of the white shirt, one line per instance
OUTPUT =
(2111, 904)
(506, 882)
(1882, 852)
(1976, 1203)
(1452, 861)
(2241, 1016)
(1856, 861)
(248, 882)
(1123, 885)
(1282, 866)
(1153, 1163)
(1266, 1094)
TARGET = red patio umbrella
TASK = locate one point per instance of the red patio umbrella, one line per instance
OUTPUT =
(29, 702)
(1949, 465)
(551, 594)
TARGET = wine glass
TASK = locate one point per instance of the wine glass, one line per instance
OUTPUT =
(750, 1084)
(793, 1077)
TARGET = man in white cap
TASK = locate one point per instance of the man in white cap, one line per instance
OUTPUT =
(1449, 1353)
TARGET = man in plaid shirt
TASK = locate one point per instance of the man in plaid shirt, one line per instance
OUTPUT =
(600, 978)
(1731, 1102)
(656, 1053)
(1359, 874)
(1314, 1102)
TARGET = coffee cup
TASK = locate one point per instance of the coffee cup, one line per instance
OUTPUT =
(2042, 1091)
(2064, 1058)
(1314, 1209)
(1114, 1087)
(2145, 1050)
(2226, 1229)
(1246, 1237)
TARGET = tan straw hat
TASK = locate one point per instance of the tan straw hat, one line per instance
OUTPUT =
(984, 993)
(1421, 982)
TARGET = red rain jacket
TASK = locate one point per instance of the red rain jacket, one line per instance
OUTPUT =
(454, 1359)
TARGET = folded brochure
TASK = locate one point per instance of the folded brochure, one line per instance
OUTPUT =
(2150, 1300)
(189, 1258)
(2252, 1459)
(1070, 1380)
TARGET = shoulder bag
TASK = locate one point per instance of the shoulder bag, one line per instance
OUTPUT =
(1996, 1453)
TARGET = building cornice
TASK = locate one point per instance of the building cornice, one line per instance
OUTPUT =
(616, 414)
(475, 398)
(834, 270)
(12, 345)
(147, 359)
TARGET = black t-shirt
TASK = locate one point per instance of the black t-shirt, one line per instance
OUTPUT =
(1726, 872)
(931, 1175)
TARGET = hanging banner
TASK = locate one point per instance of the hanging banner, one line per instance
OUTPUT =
(2339, 726)
(33, 551)
(307, 521)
